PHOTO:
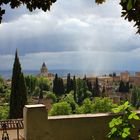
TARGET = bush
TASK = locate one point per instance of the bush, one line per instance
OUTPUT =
(85, 108)
(69, 98)
(121, 127)
(96, 106)
(61, 108)
(4, 112)
(51, 96)
(102, 105)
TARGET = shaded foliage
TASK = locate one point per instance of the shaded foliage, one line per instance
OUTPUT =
(31, 5)
(130, 11)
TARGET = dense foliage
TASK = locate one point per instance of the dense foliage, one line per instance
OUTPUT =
(58, 86)
(51, 96)
(130, 11)
(31, 5)
(96, 106)
(61, 108)
(4, 112)
(135, 99)
(121, 126)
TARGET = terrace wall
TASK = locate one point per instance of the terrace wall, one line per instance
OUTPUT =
(38, 126)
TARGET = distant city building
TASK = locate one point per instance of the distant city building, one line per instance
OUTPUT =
(44, 72)
(124, 76)
(137, 74)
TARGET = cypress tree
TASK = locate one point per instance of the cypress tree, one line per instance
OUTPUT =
(74, 89)
(127, 87)
(96, 88)
(68, 83)
(61, 87)
(55, 84)
(18, 97)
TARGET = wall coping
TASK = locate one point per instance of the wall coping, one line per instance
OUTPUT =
(78, 116)
(35, 106)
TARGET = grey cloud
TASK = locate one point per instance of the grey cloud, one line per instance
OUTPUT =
(69, 32)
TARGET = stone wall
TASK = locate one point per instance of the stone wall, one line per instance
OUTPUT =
(38, 126)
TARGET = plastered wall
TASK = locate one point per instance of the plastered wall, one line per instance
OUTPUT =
(38, 126)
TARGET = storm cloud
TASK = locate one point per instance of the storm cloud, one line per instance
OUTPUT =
(78, 32)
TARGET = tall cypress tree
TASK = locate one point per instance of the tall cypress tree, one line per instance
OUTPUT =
(68, 83)
(96, 88)
(74, 88)
(18, 97)
(55, 84)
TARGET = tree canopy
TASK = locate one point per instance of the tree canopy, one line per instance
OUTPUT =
(130, 11)
(130, 8)
(31, 5)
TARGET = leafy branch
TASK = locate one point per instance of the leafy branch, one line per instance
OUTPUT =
(121, 126)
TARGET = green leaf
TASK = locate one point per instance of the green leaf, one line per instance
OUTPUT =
(124, 135)
(129, 5)
(113, 130)
(133, 115)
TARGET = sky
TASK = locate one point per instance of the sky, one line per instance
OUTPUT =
(75, 34)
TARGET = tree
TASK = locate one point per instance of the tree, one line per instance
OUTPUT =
(31, 5)
(130, 11)
(69, 98)
(41, 94)
(124, 87)
(74, 89)
(135, 99)
(130, 8)
(44, 83)
(102, 105)
(31, 83)
(61, 108)
(55, 84)
(18, 97)
(82, 90)
(69, 83)
(96, 89)
(61, 89)
(85, 108)
(51, 96)
(58, 86)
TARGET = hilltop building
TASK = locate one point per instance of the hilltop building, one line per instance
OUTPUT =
(44, 72)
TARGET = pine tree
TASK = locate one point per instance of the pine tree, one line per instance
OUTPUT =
(18, 97)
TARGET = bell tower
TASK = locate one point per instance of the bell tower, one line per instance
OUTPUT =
(44, 69)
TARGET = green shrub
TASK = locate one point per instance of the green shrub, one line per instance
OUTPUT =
(102, 105)
(61, 108)
(69, 98)
(85, 108)
(4, 112)
(121, 127)
(51, 96)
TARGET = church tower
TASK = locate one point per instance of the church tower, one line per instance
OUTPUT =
(44, 70)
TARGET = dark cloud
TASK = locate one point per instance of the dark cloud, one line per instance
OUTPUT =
(69, 32)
